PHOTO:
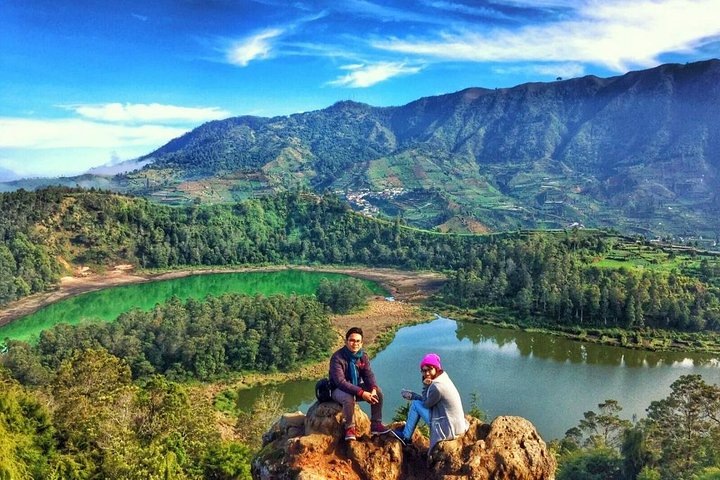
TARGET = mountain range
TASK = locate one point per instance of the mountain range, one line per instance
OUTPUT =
(638, 152)
(7, 175)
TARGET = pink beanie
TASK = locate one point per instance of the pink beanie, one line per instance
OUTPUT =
(431, 359)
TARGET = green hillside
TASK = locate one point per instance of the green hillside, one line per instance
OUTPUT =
(565, 277)
(638, 152)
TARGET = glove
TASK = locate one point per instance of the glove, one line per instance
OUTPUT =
(407, 394)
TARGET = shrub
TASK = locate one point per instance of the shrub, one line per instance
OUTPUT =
(343, 296)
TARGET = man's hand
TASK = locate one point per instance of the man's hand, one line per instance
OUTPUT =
(371, 397)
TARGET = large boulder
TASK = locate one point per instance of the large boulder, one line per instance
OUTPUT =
(507, 449)
(327, 418)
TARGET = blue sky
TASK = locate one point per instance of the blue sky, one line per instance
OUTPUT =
(91, 82)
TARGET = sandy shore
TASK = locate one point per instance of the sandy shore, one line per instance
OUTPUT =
(380, 316)
(406, 286)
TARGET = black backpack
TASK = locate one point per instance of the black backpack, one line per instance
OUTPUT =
(323, 390)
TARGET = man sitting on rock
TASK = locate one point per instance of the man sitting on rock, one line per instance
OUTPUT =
(439, 405)
(353, 379)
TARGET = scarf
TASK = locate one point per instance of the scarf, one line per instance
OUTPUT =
(353, 359)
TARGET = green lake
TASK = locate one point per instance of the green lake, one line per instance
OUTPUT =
(108, 304)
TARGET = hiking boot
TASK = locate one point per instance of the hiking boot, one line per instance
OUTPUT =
(377, 428)
(398, 433)
(350, 434)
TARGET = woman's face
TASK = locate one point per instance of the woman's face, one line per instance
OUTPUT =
(428, 371)
(354, 342)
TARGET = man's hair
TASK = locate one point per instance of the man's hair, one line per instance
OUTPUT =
(353, 330)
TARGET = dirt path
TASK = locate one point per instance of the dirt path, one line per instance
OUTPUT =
(380, 316)
(405, 286)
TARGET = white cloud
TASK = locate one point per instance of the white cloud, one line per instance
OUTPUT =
(362, 76)
(539, 3)
(465, 9)
(383, 12)
(615, 34)
(565, 70)
(78, 133)
(242, 52)
(354, 66)
(61, 161)
(51, 147)
(153, 112)
(95, 135)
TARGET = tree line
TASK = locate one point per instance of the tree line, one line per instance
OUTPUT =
(544, 277)
(678, 440)
(188, 340)
(92, 421)
(546, 274)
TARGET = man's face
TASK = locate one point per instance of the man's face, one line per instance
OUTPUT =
(354, 342)
(428, 372)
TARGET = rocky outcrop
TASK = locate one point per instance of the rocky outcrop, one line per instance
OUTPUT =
(311, 447)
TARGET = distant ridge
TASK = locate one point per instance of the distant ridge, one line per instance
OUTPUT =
(119, 167)
(7, 175)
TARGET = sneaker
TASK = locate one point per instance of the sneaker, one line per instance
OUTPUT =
(350, 434)
(377, 428)
(398, 433)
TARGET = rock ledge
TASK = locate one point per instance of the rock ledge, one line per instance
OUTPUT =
(311, 447)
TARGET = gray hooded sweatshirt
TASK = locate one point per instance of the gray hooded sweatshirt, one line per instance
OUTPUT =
(447, 419)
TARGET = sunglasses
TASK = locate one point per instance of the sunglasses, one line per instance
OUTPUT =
(427, 369)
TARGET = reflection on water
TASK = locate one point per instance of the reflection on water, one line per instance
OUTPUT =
(297, 395)
(562, 349)
(549, 380)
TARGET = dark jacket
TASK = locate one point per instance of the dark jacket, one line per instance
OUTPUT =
(340, 375)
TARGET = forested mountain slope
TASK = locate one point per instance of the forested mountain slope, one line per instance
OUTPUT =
(639, 151)
(568, 277)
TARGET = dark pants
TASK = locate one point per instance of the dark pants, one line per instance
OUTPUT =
(348, 403)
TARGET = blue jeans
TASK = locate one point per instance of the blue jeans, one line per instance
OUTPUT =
(415, 413)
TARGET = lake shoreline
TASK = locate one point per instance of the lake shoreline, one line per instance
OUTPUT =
(649, 340)
(379, 321)
(407, 286)
(404, 285)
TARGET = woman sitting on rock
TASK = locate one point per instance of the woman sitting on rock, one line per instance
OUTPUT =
(439, 405)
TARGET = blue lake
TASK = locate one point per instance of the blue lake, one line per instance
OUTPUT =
(549, 380)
